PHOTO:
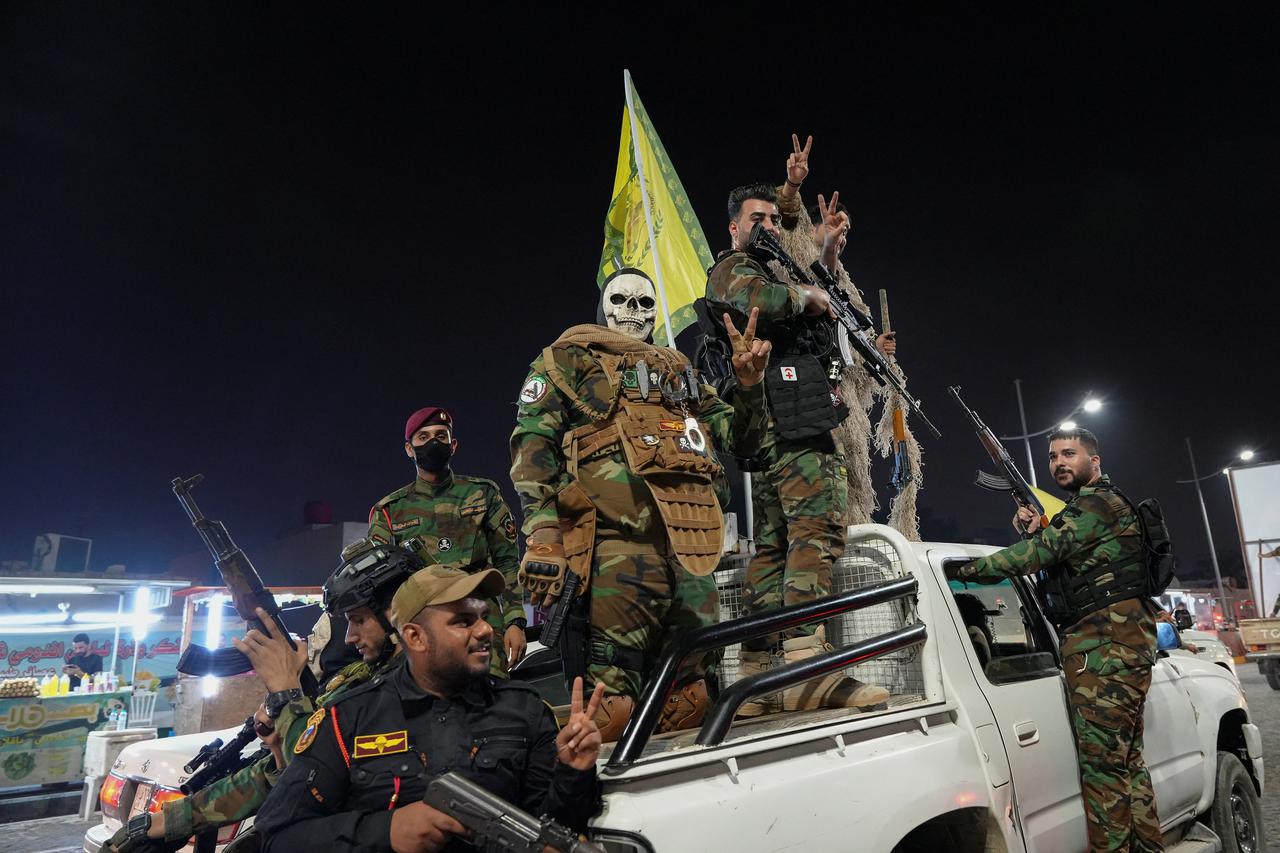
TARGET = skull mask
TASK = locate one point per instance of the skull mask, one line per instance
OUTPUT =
(630, 304)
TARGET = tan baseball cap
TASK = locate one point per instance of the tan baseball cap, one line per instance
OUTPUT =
(439, 585)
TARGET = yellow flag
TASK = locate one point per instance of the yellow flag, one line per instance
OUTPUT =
(1052, 506)
(679, 265)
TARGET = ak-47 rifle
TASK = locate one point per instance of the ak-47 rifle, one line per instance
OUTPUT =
(1012, 482)
(857, 325)
(497, 824)
(901, 466)
(247, 593)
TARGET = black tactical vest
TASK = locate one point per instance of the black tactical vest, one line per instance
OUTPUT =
(1070, 596)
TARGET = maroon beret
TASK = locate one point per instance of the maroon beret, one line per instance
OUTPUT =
(426, 417)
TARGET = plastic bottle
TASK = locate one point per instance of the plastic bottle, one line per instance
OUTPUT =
(111, 719)
(64, 685)
(122, 720)
(44, 686)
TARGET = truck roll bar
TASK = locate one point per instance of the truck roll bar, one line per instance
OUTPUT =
(720, 717)
(649, 708)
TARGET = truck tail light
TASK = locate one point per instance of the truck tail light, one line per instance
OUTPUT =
(109, 796)
(161, 796)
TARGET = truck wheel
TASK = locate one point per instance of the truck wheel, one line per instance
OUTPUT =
(1271, 669)
(1236, 814)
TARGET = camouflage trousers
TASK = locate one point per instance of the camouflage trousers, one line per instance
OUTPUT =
(1107, 688)
(640, 602)
(799, 501)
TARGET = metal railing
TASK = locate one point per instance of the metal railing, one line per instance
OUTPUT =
(649, 709)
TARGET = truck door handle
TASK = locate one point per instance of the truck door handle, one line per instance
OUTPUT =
(1026, 733)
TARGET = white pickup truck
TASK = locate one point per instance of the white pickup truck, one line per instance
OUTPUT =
(973, 752)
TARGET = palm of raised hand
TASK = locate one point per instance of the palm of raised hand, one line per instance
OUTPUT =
(750, 354)
(578, 744)
(798, 160)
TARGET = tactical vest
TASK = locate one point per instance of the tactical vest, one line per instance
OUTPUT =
(803, 378)
(651, 419)
(1070, 596)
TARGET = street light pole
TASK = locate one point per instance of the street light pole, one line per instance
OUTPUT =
(1213, 554)
(1026, 439)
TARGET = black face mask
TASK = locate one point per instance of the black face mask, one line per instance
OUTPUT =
(433, 457)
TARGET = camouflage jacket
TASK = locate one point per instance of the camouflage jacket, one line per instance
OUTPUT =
(464, 523)
(233, 798)
(1097, 527)
(624, 503)
(738, 283)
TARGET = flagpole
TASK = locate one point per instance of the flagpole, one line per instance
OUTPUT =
(648, 216)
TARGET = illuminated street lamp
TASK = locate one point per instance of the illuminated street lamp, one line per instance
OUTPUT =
(1245, 455)
(1090, 404)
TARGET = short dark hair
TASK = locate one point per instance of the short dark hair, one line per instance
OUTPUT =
(1080, 434)
(80, 638)
(746, 192)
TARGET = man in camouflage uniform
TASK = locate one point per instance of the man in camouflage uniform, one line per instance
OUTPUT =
(613, 457)
(1096, 592)
(463, 521)
(281, 722)
(799, 488)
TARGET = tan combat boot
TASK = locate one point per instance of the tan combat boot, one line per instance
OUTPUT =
(754, 663)
(612, 716)
(829, 691)
(685, 707)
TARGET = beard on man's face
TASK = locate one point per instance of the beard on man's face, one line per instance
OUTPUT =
(1073, 480)
(458, 670)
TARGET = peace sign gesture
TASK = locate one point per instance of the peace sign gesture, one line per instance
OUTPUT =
(750, 354)
(578, 744)
(798, 161)
(833, 227)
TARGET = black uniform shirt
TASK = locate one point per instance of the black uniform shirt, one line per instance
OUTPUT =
(389, 735)
(90, 664)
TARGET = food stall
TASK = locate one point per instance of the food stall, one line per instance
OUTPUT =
(43, 737)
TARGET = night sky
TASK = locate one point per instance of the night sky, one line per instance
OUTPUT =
(250, 246)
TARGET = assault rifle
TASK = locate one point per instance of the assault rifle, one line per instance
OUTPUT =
(858, 326)
(497, 824)
(216, 759)
(1012, 481)
(247, 593)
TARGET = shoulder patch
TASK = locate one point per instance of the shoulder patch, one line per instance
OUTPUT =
(534, 390)
(308, 735)
(388, 743)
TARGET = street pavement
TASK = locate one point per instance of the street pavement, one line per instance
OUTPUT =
(66, 834)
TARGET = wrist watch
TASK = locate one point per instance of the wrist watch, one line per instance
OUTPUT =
(276, 701)
(518, 622)
(138, 826)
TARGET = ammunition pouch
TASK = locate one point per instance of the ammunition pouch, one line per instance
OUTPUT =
(677, 464)
(1069, 596)
(801, 399)
(606, 653)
